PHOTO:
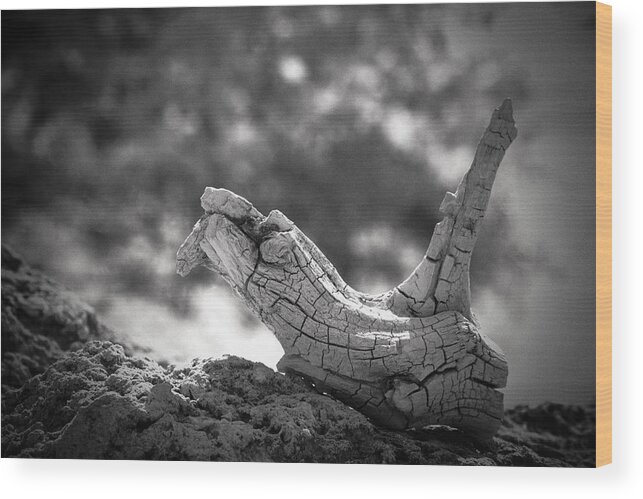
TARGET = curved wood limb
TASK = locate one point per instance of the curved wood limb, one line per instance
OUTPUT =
(407, 358)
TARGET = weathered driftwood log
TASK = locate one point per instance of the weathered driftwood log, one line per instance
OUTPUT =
(407, 358)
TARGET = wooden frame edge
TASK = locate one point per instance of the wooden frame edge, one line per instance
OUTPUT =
(603, 234)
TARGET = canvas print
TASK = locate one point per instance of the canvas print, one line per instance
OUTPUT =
(328, 234)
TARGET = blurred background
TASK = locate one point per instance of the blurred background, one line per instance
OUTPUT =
(352, 120)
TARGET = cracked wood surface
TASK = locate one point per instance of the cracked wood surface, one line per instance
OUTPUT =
(407, 358)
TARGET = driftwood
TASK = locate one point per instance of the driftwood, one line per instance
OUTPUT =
(407, 358)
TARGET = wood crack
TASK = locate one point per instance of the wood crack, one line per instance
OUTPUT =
(406, 358)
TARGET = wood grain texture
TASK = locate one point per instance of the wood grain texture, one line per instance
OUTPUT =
(407, 358)
(603, 234)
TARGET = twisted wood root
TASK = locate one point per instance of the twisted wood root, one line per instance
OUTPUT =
(407, 358)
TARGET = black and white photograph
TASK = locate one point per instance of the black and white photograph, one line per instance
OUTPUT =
(350, 234)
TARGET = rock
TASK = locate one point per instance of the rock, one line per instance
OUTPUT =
(566, 432)
(40, 321)
(99, 401)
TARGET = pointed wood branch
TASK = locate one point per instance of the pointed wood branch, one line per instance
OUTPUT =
(407, 358)
(441, 281)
